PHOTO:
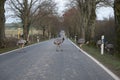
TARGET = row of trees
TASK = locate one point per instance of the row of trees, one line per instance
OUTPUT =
(83, 18)
(30, 11)
(106, 27)
(85, 11)
(37, 13)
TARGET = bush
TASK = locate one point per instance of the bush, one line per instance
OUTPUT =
(10, 42)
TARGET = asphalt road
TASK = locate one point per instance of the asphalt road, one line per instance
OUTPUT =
(43, 62)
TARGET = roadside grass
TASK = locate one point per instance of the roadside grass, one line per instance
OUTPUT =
(110, 61)
(7, 49)
(3, 50)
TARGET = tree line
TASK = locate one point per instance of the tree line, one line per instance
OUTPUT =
(79, 19)
(39, 14)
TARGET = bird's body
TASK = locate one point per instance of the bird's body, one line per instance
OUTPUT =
(58, 43)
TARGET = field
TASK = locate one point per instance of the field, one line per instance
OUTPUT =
(14, 32)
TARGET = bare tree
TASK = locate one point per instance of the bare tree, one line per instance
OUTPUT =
(116, 5)
(87, 12)
(106, 27)
(2, 23)
(117, 22)
(26, 11)
(44, 15)
(71, 22)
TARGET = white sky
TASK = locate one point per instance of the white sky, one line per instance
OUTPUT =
(61, 5)
(104, 12)
(101, 12)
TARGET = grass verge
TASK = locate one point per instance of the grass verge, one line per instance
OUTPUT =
(16, 47)
(110, 61)
(7, 49)
(12, 48)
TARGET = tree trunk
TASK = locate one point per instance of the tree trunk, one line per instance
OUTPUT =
(2, 23)
(82, 7)
(83, 33)
(117, 22)
(25, 19)
(92, 20)
(26, 27)
(43, 31)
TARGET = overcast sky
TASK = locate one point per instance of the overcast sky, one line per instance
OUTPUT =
(61, 5)
(104, 12)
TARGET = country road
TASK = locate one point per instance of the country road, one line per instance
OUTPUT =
(43, 62)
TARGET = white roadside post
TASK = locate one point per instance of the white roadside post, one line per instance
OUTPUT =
(38, 39)
(102, 45)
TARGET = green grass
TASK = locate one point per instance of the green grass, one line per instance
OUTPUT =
(110, 61)
(2, 50)
(7, 49)
(12, 48)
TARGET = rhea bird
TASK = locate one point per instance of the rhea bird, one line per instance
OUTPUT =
(58, 42)
(21, 42)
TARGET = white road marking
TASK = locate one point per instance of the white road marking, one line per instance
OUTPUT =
(100, 64)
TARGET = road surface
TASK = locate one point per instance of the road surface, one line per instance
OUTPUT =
(43, 62)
